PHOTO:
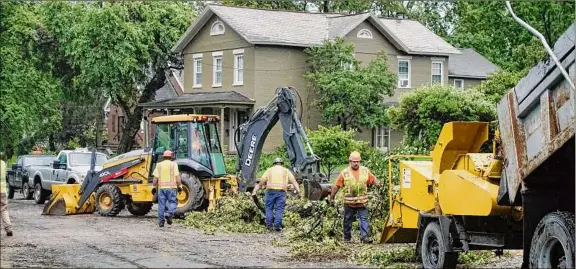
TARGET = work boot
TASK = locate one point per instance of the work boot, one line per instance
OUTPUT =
(278, 229)
(161, 224)
(366, 240)
(169, 220)
(9, 233)
(346, 240)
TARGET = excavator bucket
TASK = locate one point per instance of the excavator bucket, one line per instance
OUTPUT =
(71, 199)
(64, 200)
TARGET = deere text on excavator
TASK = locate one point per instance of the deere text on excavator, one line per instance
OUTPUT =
(126, 180)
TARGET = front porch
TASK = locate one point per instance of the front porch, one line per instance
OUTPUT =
(232, 107)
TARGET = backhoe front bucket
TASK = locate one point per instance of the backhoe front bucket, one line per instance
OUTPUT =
(64, 200)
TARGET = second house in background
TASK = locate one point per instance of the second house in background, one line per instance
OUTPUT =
(236, 57)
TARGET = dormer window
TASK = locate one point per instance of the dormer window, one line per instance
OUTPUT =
(364, 33)
(217, 28)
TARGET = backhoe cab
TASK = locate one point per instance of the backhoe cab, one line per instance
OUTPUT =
(126, 180)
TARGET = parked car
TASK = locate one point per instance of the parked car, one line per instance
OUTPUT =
(69, 167)
(19, 174)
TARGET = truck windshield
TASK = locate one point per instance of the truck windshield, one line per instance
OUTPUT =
(39, 160)
(77, 159)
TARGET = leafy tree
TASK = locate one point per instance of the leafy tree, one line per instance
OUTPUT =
(121, 48)
(422, 112)
(347, 91)
(499, 83)
(489, 29)
(30, 103)
(332, 145)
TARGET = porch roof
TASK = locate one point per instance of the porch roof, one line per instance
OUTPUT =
(196, 99)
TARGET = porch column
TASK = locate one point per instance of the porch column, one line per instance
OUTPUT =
(222, 127)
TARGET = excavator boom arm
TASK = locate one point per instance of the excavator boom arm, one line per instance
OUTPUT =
(254, 132)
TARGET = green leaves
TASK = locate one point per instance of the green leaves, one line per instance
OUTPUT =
(423, 112)
(332, 145)
(348, 92)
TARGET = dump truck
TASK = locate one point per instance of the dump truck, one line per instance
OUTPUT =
(519, 196)
(126, 180)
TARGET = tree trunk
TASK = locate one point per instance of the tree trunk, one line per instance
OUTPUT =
(134, 117)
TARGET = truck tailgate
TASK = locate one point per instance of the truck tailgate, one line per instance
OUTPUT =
(537, 116)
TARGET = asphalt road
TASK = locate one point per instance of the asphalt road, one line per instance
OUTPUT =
(126, 241)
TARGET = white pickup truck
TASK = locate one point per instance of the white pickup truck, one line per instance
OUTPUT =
(69, 167)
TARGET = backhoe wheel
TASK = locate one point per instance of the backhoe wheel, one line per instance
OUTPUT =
(192, 195)
(40, 194)
(139, 209)
(553, 242)
(26, 191)
(109, 200)
(433, 249)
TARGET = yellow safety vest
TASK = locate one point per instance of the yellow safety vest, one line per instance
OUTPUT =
(3, 176)
(277, 178)
(166, 176)
(355, 191)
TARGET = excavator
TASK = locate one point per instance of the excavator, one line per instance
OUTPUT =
(305, 166)
(125, 181)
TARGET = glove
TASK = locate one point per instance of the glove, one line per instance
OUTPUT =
(153, 191)
(330, 202)
(180, 189)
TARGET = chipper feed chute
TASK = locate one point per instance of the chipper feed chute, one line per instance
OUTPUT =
(71, 199)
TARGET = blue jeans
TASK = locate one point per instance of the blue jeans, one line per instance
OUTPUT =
(350, 215)
(274, 200)
(166, 195)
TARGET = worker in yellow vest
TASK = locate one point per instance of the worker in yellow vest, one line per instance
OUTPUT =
(4, 197)
(166, 182)
(275, 180)
(354, 180)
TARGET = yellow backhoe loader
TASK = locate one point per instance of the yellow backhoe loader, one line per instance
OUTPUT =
(125, 181)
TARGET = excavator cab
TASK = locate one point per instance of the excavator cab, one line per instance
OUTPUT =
(195, 141)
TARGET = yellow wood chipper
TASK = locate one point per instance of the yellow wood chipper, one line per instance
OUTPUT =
(447, 202)
(125, 181)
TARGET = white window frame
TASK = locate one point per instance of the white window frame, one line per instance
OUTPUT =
(381, 136)
(461, 81)
(197, 58)
(405, 59)
(364, 33)
(441, 71)
(238, 78)
(215, 56)
(215, 31)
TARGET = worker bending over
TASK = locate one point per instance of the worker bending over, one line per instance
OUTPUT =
(276, 180)
(166, 182)
(354, 180)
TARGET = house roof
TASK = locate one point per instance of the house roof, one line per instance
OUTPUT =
(173, 86)
(303, 29)
(470, 64)
(201, 98)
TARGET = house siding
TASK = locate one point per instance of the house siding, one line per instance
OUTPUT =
(420, 74)
(280, 67)
(468, 82)
(206, 44)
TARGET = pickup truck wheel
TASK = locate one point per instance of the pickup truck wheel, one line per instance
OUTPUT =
(109, 200)
(26, 191)
(40, 194)
(192, 195)
(11, 192)
(553, 242)
(139, 209)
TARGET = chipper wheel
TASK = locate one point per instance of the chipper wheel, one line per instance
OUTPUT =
(433, 249)
(192, 195)
(139, 209)
(109, 200)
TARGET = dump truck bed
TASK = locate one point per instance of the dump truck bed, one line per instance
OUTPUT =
(536, 117)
